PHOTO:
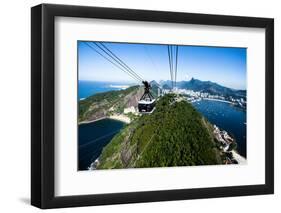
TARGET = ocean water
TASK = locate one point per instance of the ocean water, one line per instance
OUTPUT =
(93, 137)
(88, 88)
(227, 117)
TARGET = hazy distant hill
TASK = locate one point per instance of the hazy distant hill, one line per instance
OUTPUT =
(205, 86)
(102, 104)
(154, 88)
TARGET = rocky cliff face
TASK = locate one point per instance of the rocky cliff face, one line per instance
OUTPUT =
(104, 104)
(132, 98)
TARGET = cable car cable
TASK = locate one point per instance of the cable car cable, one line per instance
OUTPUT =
(113, 59)
(118, 60)
(113, 62)
(172, 62)
(176, 68)
(169, 54)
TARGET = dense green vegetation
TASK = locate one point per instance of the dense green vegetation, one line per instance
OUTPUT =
(100, 103)
(175, 134)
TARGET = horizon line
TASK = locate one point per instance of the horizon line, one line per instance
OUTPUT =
(131, 82)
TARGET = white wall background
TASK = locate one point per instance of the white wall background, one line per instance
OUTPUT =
(15, 105)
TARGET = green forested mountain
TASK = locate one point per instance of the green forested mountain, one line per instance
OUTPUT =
(175, 134)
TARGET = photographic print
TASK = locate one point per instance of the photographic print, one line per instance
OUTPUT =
(160, 105)
(182, 96)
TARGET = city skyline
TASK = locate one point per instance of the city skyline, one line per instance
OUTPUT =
(223, 65)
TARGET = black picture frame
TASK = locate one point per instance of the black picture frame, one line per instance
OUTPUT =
(43, 110)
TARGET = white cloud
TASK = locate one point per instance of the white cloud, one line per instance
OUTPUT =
(187, 77)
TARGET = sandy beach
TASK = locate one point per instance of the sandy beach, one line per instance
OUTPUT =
(121, 117)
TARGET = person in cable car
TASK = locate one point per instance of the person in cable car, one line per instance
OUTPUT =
(147, 102)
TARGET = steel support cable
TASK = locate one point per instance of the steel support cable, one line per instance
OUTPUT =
(123, 64)
(151, 59)
(117, 59)
(106, 58)
(170, 64)
(113, 58)
(121, 61)
(146, 145)
(176, 68)
(149, 142)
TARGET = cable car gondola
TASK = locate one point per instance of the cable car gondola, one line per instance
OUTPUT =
(147, 102)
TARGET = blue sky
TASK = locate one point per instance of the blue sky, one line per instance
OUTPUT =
(225, 66)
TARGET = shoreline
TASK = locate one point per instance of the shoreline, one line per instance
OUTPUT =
(240, 159)
(211, 99)
(92, 121)
(121, 118)
(219, 100)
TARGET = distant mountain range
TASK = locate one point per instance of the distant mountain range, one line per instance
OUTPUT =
(104, 104)
(204, 86)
